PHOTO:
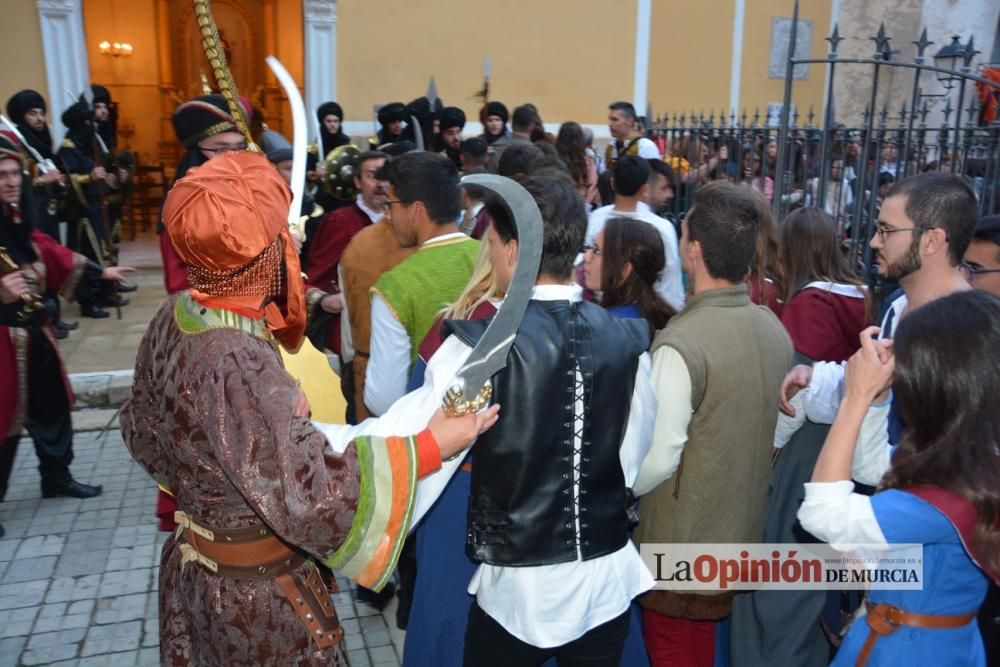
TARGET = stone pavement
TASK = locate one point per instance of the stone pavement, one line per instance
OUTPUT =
(79, 578)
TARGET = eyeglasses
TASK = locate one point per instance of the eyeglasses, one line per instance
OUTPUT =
(225, 148)
(390, 202)
(883, 230)
(970, 273)
(594, 249)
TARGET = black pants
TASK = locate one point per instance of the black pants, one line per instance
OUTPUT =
(407, 567)
(487, 643)
(48, 419)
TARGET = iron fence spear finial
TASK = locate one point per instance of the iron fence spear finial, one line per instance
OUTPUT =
(835, 39)
(922, 45)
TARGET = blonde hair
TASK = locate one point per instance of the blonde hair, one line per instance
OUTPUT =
(482, 287)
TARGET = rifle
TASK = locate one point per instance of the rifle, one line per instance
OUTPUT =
(98, 156)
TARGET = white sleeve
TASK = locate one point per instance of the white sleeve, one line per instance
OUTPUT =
(648, 150)
(825, 391)
(872, 455)
(787, 426)
(346, 342)
(673, 283)
(641, 417)
(410, 415)
(595, 223)
(834, 514)
(672, 386)
(385, 379)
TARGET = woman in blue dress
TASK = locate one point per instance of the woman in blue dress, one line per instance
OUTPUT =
(943, 490)
(623, 265)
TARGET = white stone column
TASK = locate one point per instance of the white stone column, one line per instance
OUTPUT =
(640, 75)
(736, 63)
(320, 30)
(66, 65)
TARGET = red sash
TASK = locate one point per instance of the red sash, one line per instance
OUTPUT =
(960, 513)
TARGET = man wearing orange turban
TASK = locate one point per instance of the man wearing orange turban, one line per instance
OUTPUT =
(261, 493)
(229, 226)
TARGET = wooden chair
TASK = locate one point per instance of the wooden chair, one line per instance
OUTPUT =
(150, 186)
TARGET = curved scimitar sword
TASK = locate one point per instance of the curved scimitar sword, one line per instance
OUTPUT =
(472, 389)
(299, 130)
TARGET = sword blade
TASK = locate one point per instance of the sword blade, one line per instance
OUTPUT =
(28, 147)
(490, 354)
(298, 138)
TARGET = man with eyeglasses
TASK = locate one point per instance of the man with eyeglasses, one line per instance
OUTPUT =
(981, 265)
(422, 211)
(924, 228)
(981, 268)
(205, 128)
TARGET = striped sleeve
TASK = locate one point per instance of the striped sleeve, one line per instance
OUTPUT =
(388, 468)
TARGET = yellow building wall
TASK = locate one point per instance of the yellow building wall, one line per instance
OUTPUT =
(690, 56)
(289, 50)
(691, 49)
(757, 89)
(21, 52)
(569, 57)
(133, 81)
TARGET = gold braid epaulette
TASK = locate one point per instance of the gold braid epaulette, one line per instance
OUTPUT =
(212, 45)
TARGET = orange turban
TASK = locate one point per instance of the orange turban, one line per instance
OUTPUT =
(228, 221)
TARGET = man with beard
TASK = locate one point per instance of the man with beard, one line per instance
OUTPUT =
(390, 117)
(87, 177)
(924, 227)
(452, 123)
(34, 390)
(627, 139)
(102, 117)
(27, 110)
(105, 120)
(421, 112)
(661, 187)
(205, 128)
(323, 296)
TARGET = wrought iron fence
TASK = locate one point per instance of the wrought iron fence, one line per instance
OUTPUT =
(843, 165)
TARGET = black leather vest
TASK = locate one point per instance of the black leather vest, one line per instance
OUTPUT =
(524, 508)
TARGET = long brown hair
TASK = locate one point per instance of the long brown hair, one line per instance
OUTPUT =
(810, 252)
(946, 384)
(572, 148)
(637, 244)
(766, 264)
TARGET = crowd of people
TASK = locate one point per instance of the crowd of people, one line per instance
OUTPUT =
(710, 378)
(60, 223)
